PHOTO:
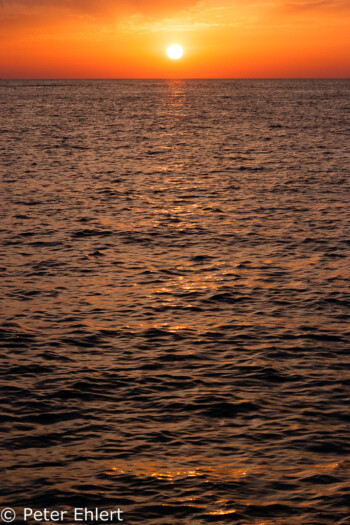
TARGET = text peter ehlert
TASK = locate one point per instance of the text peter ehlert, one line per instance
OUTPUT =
(82, 514)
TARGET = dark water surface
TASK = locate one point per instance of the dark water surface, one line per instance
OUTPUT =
(175, 274)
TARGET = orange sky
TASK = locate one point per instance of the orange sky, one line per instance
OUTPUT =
(128, 39)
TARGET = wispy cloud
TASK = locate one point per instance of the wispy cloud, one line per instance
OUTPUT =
(100, 7)
(302, 6)
(156, 16)
(196, 17)
(132, 26)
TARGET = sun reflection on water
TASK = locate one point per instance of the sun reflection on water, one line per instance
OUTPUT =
(162, 470)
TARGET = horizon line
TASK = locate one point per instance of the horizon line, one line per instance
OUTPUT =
(175, 78)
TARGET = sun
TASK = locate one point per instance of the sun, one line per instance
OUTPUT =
(175, 51)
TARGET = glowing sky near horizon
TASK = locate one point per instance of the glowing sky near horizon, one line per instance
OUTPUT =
(236, 38)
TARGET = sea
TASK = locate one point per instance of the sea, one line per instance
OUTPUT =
(175, 317)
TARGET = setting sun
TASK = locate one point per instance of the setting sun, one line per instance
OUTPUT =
(175, 51)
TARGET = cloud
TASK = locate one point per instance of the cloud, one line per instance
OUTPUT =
(167, 26)
(99, 7)
(304, 6)
(159, 15)
(19, 16)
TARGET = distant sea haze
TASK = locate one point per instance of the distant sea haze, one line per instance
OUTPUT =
(175, 278)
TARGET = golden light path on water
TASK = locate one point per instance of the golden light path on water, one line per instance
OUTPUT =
(226, 472)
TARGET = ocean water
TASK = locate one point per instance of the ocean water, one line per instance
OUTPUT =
(175, 318)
